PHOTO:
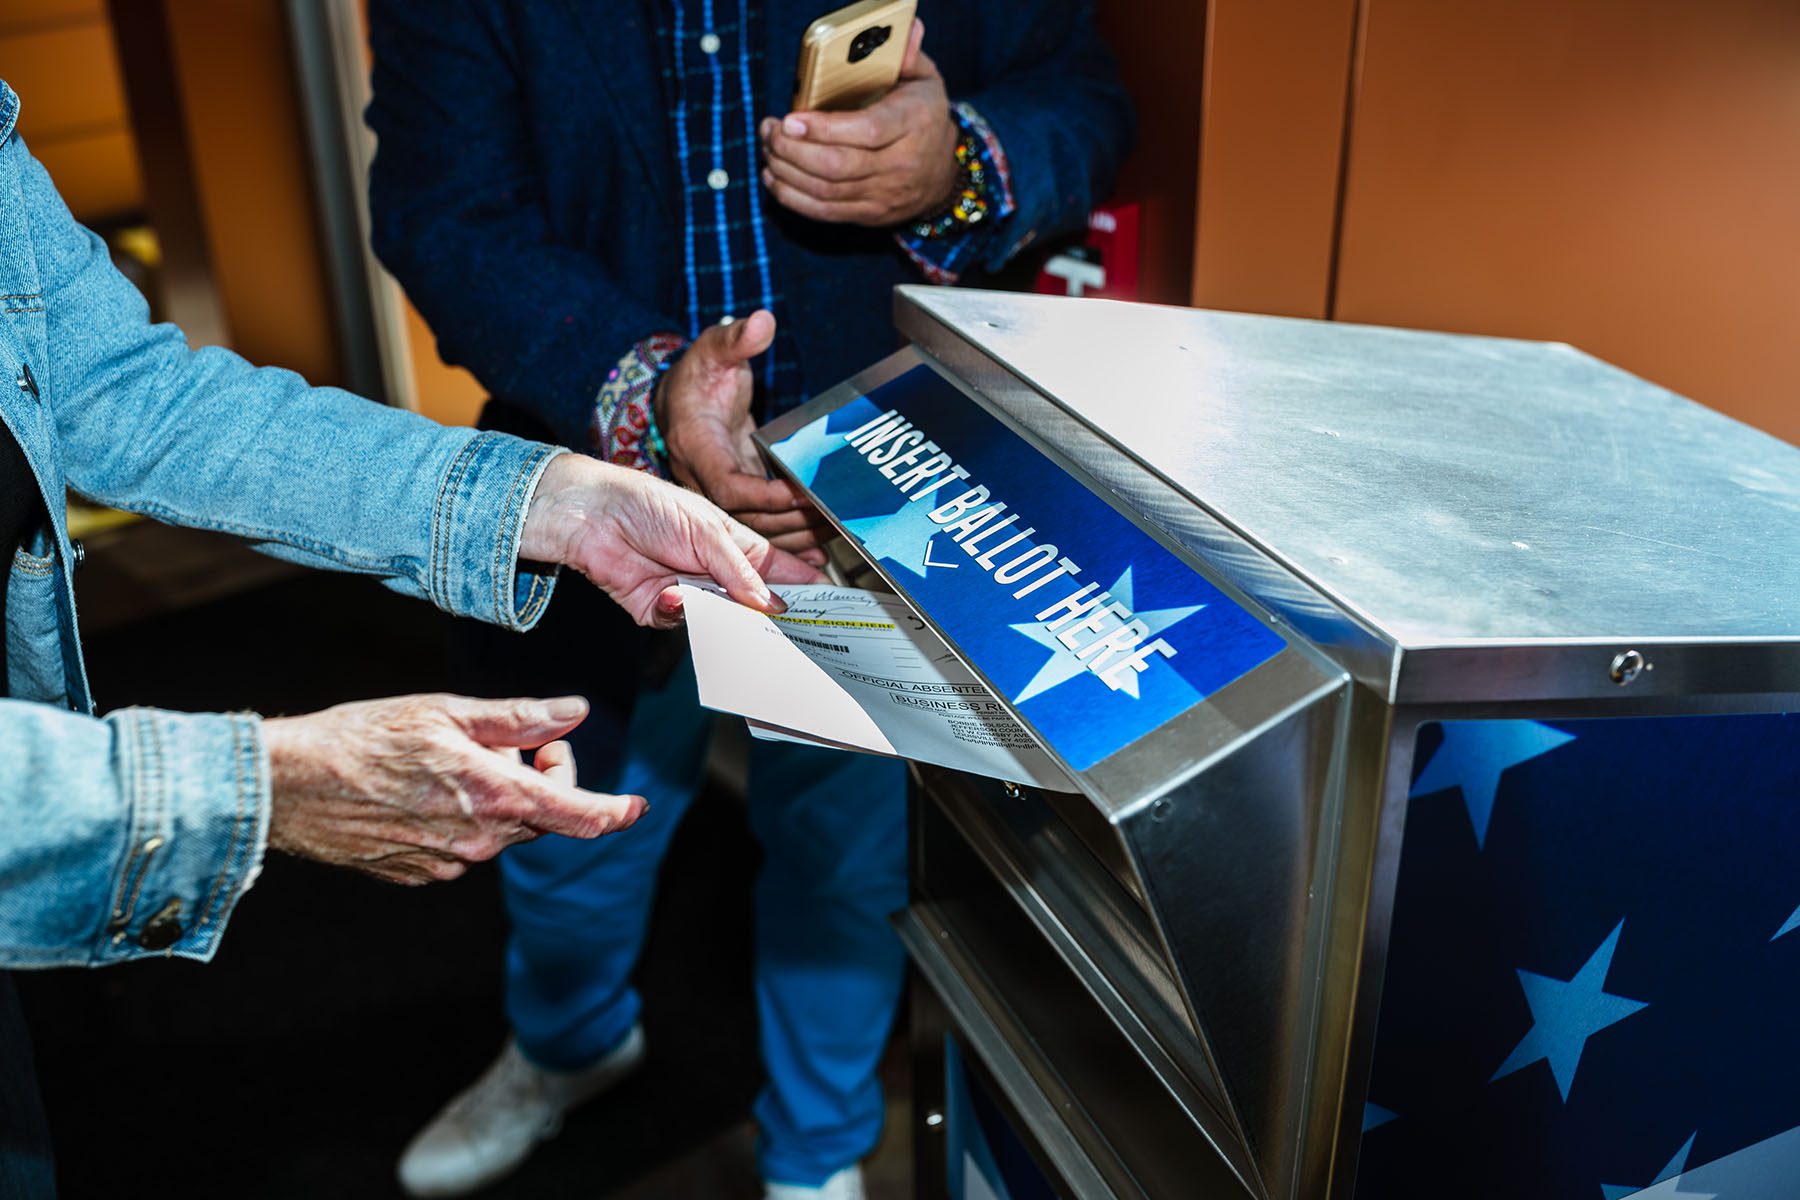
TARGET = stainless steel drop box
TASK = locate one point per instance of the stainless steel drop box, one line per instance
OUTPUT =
(1432, 821)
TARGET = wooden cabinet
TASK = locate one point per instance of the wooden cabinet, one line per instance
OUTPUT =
(1620, 175)
(58, 55)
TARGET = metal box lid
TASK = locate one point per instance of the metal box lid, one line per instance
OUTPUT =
(1447, 496)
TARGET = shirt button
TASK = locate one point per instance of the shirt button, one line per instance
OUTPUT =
(717, 179)
(709, 43)
(77, 552)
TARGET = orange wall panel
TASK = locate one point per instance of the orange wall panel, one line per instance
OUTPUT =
(96, 173)
(446, 394)
(67, 78)
(1159, 45)
(20, 15)
(61, 60)
(1620, 174)
(1276, 77)
(253, 181)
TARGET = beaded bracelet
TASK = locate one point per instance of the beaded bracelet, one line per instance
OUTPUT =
(653, 437)
(970, 205)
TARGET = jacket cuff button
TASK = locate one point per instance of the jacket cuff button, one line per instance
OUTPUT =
(164, 929)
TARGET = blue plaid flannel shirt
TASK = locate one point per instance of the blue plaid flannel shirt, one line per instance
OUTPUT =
(712, 53)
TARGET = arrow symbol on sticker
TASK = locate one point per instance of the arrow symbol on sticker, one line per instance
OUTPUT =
(931, 562)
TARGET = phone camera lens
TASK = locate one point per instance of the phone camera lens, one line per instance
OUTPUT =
(869, 41)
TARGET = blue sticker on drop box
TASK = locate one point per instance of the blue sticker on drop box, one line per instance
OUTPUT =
(1094, 631)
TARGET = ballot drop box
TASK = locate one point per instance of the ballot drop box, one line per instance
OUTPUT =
(1430, 713)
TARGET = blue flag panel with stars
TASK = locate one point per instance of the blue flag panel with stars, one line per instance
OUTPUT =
(1213, 639)
(1593, 965)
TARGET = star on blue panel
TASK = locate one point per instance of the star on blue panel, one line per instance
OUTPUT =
(1375, 1116)
(1565, 1014)
(1765, 1170)
(1062, 664)
(1676, 1165)
(1789, 925)
(900, 537)
(804, 449)
(1474, 756)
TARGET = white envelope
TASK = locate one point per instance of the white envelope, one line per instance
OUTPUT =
(855, 670)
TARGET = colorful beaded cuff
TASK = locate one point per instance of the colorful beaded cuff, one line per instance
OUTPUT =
(624, 429)
(943, 243)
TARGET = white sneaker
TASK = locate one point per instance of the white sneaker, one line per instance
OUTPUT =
(492, 1127)
(847, 1184)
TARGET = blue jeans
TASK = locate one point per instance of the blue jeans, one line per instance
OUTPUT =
(828, 965)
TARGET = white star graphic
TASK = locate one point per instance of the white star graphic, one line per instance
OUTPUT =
(1064, 666)
(900, 538)
(803, 450)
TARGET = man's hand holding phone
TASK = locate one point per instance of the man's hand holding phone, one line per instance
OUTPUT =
(703, 408)
(886, 164)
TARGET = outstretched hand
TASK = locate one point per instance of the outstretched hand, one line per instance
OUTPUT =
(703, 407)
(415, 788)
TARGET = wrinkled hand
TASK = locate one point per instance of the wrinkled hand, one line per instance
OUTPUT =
(704, 412)
(415, 788)
(883, 165)
(633, 535)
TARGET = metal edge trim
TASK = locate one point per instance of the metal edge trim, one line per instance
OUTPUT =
(1009, 1060)
(1326, 685)
(1557, 659)
(992, 844)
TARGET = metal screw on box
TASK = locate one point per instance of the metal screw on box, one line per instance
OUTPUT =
(1627, 665)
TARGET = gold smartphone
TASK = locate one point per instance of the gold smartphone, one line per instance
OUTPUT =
(851, 58)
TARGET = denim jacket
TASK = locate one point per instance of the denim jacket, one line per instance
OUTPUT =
(137, 833)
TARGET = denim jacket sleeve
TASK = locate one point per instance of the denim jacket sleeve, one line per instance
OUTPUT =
(136, 834)
(316, 475)
(128, 836)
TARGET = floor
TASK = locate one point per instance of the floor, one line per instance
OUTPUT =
(340, 1013)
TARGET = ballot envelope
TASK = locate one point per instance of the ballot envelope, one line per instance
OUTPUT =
(1414, 736)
